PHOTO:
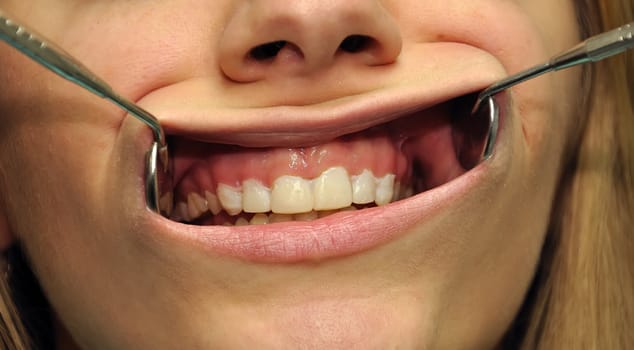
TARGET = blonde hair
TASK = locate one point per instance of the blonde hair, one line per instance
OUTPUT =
(13, 336)
(583, 293)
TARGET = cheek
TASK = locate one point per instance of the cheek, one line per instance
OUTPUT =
(54, 151)
(548, 104)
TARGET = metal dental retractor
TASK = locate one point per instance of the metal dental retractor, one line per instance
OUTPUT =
(593, 49)
(158, 176)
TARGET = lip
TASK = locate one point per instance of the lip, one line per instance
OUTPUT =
(295, 126)
(341, 234)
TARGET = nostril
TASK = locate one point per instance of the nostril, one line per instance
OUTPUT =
(267, 51)
(355, 43)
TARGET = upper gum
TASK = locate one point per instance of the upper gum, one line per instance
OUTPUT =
(308, 163)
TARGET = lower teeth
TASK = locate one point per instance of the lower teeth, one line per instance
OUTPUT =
(245, 219)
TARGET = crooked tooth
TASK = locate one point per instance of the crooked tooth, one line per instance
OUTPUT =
(256, 198)
(291, 195)
(259, 219)
(363, 187)
(384, 189)
(194, 206)
(213, 203)
(201, 203)
(166, 203)
(332, 189)
(230, 198)
(181, 212)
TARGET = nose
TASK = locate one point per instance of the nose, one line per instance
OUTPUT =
(268, 39)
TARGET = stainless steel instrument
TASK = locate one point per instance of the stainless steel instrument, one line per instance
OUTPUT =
(158, 166)
(592, 49)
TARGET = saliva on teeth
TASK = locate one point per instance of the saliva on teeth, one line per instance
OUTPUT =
(290, 198)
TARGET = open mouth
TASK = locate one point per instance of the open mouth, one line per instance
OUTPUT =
(229, 185)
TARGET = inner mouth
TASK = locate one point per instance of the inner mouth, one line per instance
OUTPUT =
(220, 184)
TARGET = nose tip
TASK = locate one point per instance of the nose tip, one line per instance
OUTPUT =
(267, 39)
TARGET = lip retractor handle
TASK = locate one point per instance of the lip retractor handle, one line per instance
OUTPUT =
(63, 64)
(592, 49)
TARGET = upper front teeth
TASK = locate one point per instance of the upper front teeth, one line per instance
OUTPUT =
(333, 189)
(256, 198)
(291, 194)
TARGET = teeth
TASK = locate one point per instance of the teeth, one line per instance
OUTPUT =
(311, 215)
(181, 212)
(166, 203)
(256, 198)
(332, 189)
(384, 189)
(230, 198)
(291, 195)
(259, 219)
(273, 218)
(213, 203)
(396, 191)
(196, 205)
(242, 222)
(363, 187)
(324, 213)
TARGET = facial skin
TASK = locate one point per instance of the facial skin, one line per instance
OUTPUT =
(72, 164)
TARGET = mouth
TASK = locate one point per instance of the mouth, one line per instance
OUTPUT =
(224, 184)
(288, 199)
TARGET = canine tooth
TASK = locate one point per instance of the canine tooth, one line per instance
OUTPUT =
(241, 222)
(396, 191)
(311, 215)
(332, 189)
(230, 198)
(201, 203)
(181, 212)
(384, 189)
(291, 195)
(273, 218)
(192, 206)
(259, 219)
(363, 187)
(213, 203)
(166, 203)
(256, 198)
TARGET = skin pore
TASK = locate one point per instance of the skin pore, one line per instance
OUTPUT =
(72, 165)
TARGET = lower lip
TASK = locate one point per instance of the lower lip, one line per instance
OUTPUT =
(338, 235)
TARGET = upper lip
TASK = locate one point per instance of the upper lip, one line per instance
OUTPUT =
(297, 126)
